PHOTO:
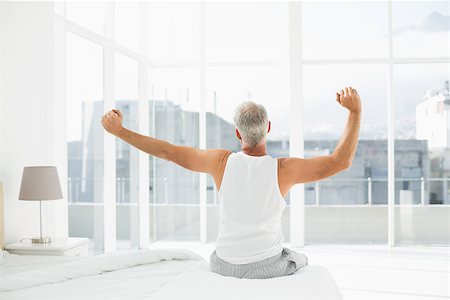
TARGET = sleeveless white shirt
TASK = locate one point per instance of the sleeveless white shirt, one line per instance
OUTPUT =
(251, 207)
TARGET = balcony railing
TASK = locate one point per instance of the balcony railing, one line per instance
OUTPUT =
(423, 187)
(337, 191)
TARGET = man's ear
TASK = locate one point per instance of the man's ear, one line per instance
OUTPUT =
(238, 134)
(268, 129)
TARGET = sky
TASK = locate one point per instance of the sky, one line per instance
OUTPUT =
(259, 32)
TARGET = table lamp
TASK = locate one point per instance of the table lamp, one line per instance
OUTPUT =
(39, 184)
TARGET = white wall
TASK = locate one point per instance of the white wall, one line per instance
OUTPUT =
(32, 114)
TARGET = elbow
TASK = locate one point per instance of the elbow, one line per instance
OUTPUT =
(167, 153)
(346, 164)
(342, 164)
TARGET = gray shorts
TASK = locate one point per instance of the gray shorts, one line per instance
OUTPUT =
(283, 264)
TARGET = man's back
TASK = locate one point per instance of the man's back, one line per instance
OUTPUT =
(251, 207)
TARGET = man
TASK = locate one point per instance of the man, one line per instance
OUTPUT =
(252, 186)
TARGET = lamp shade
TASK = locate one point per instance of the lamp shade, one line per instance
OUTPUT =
(40, 183)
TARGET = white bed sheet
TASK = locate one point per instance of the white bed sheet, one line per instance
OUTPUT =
(171, 279)
(14, 264)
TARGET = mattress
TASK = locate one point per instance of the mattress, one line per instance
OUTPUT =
(149, 274)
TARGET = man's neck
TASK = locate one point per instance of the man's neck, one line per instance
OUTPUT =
(259, 150)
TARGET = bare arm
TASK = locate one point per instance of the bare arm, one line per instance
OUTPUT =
(205, 161)
(298, 170)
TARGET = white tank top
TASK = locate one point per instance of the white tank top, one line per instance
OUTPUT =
(251, 206)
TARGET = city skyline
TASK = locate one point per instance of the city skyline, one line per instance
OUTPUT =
(405, 127)
(413, 160)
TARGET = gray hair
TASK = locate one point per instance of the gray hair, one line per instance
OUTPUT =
(251, 121)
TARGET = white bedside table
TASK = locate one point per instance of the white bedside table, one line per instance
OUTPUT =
(58, 246)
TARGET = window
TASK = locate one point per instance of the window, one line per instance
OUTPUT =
(422, 154)
(324, 123)
(266, 85)
(85, 139)
(230, 36)
(344, 30)
(127, 157)
(127, 24)
(212, 50)
(423, 32)
(174, 32)
(174, 191)
(353, 192)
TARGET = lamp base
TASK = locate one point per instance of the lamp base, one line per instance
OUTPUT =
(41, 240)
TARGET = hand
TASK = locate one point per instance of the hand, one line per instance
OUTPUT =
(112, 121)
(349, 98)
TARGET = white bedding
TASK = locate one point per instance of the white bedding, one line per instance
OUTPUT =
(19, 263)
(150, 274)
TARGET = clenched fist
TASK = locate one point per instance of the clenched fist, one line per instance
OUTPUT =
(112, 121)
(349, 98)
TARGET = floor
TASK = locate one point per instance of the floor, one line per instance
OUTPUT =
(372, 272)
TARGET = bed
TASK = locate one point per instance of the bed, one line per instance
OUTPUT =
(147, 274)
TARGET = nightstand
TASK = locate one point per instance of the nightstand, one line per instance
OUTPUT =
(59, 247)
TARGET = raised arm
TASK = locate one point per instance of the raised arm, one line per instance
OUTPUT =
(206, 161)
(298, 170)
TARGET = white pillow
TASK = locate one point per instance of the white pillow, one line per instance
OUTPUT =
(1, 256)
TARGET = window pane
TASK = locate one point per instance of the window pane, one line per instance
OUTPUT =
(344, 30)
(85, 139)
(424, 31)
(127, 157)
(364, 184)
(324, 119)
(174, 31)
(91, 15)
(174, 206)
(247, 31)
(228, 87)
(422, 153)
(266, 85)
(127, 24)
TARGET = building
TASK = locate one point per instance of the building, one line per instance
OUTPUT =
(433, 118)
(433, 125)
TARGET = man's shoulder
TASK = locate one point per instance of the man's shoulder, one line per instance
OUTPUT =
(282, 161)
(220, 152)
(220, 155)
